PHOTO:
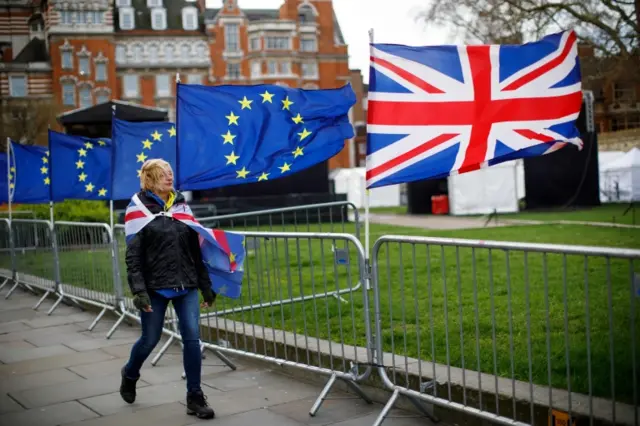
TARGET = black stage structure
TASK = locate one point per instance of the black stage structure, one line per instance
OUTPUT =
(310, 186)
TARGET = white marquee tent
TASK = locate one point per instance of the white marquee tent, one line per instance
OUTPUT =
(605, 157)
(353, 183)
(620, 178)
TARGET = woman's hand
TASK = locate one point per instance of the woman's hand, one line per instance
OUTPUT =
(141, 301)
(209, 297)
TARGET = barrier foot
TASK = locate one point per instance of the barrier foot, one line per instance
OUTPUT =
(323, 395)
(427, 411)
(358, 390)
(42, 299)
(12, 289)
(97, 319)
(224, 359)
(115, 326)
(162, 350)
(6, 280)
(388, 406)
(55, 305)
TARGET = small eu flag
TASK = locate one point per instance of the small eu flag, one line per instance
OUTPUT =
(228, 135)
(30, 182)
(133, 144)
(80, 167)
(4, 184)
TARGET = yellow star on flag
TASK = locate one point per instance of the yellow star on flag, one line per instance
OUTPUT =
(88, 145)
(266, 96)
(147, 144)
(82, 177)
(285, 168)
(232, 257)
(139, 172)
(141, 157)
(242, 173)
(263, 176)
(304, 134)
(13, 170)
(233, 119)
(102, 192)
(79, 164)
(47, 181)
(286, 103)
(44, 170)
(102, 143)
(246, 103)
(172, 131)
(298, 152)
(231, 159)
(156, 136)
(12, 185)
(228, 137)
(82, 152)
(89, 187)
(45, 160)
(297, 119)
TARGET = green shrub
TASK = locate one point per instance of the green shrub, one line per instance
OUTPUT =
(70, 210)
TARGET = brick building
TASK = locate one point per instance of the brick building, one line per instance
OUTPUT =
(76, 54)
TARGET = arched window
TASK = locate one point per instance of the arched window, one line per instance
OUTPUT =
(306, 14)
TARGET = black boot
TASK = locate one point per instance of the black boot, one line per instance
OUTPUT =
(128, 388)
(197, 405)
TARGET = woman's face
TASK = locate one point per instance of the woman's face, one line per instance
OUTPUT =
(165, 183)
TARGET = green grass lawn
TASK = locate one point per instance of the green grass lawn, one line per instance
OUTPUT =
(429, 296)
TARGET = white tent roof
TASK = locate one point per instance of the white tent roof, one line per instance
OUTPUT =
(630, 160)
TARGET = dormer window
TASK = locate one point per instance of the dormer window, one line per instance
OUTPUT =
(123, 3)
(159, 19)
(305, 14)
(126, 18)
(190, 18)
(154, 3)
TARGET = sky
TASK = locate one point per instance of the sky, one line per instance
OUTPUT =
(395, 24)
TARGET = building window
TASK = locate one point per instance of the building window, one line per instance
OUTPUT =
(184, 52)
(168, 53)
(18, 86)
(159, 19)
(83, 64)
(121, 54)
(69, 94)
(309, 70)
(130, 85)
(233, 71)
(278, 43)
(272, 67)
(254, 44)
(66, 17)
(102, 96)
(308, 45)
(137, 52)
(365, 103)
(96, 17)
(154, 3)
(194, 79)
(202, 51)
(163, 85)
(67, 59)
(123, 3)
(231, 39)
(85, 96)
(310, 86)
(126, 18)
(190, 18)
(305, 14)
(285, 67)
(101, 71)
(256, 69)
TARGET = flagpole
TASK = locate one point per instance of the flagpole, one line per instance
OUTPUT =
(51, 212)
(366, 202)
(177, 167)
(111, 220)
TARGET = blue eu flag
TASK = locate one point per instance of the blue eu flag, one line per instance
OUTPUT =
(80, 167)
(4, 185)
(133, 144)
(228, 135)
(30, 182)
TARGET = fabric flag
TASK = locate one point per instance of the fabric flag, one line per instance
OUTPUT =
(441, 110)
(133, 144)
(30, 182)
(80, 167)
(222, 252)
(229, 135)
(4, 185)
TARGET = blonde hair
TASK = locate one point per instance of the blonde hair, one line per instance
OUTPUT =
(151, 172)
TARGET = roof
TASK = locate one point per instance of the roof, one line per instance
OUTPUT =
(142, 15)
(630, 160)
(34, 51)
(102, 113)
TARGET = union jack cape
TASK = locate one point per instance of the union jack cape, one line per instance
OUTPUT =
(223, 252)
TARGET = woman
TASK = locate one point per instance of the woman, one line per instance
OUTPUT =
(164, 263)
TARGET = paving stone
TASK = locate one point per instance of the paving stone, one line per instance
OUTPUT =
(53, 394)
(168, 414)
(338, 407)
(17, 344)
(53, 415)
(10, 355)
(44, 378)
(395, 418)
(17, 314)
(89, 343)
(41, 336)
(99, 369)
(9, 405)
(53, 363)
(13, 326)
(48, 321)
(147, 396)
(260, 417)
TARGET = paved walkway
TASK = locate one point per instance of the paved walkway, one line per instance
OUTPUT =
(53, 372)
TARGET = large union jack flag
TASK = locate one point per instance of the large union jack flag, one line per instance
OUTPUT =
(442, 110)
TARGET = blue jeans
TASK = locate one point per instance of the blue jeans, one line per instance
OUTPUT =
(188, 310)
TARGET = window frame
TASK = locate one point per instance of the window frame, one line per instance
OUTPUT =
(127, 94)
(163, 93)
(12, 89)
(162, 14)
(124, 11)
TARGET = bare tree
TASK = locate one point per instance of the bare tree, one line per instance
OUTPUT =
(27, 120)
(611, 27)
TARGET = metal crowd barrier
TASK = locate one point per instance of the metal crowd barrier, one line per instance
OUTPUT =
(548, 324)
(7, 260)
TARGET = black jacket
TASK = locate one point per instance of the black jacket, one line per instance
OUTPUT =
(165, 253)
